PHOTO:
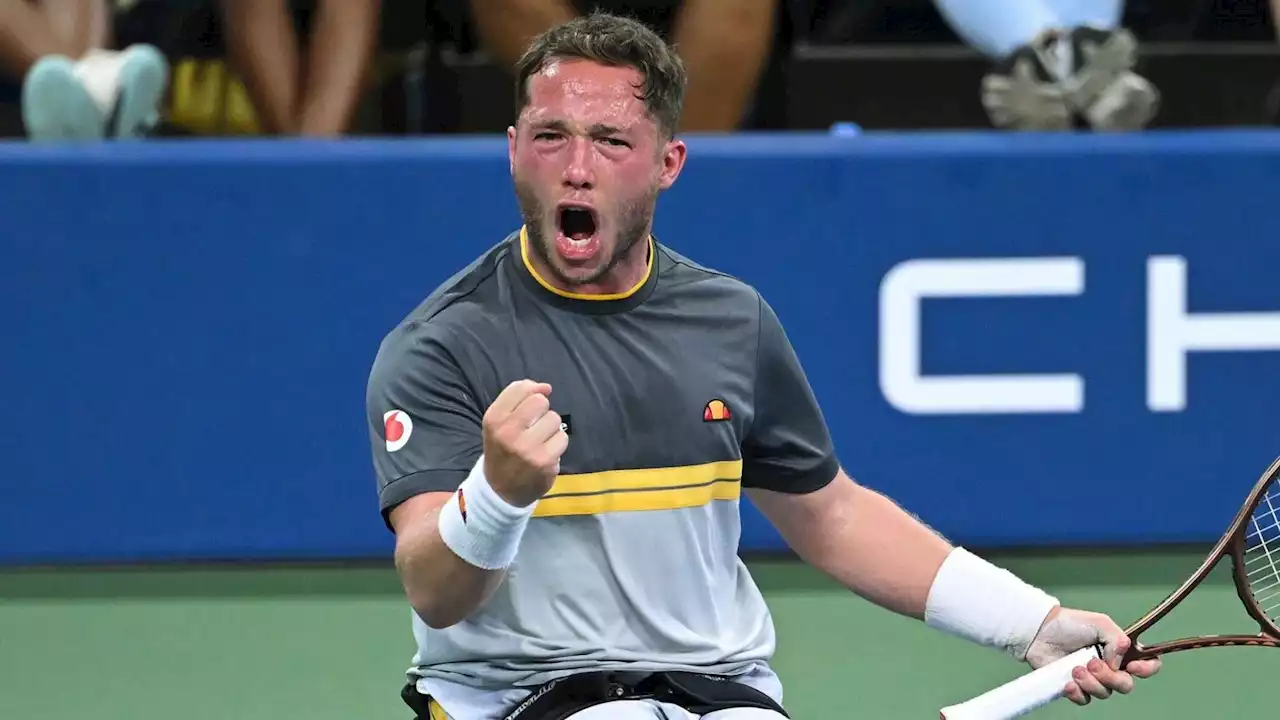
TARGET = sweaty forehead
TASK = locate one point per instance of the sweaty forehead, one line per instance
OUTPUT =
(581, 91)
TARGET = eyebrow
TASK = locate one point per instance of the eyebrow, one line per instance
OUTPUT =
(596, 129)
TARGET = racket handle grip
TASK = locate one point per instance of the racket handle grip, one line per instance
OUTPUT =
(1024, 694)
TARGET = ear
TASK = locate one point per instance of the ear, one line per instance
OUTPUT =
(673, 157)
(511, 149)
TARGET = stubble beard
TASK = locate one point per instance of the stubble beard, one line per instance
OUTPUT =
(633, 226)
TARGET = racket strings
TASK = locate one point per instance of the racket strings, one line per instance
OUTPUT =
(1262, 552)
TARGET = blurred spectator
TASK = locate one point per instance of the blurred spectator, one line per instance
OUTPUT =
(1057, 62)
(310, 90)
(727, 45)
(73, 88)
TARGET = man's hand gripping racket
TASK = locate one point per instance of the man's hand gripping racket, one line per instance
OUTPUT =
(1253, 545)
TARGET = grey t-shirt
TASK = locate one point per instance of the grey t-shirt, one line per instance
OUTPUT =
(676, 395)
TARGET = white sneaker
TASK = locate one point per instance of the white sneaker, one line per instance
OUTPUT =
(127, 87)
(56, 105)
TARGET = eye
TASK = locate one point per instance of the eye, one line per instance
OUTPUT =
(614, 142)
(546, 136)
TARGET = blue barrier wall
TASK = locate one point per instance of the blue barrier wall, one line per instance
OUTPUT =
(189, 326)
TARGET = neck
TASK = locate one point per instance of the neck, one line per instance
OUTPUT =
(628, 273)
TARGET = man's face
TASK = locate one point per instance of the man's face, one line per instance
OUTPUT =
(588, 164)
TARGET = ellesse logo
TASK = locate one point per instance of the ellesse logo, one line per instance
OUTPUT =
(716, 411)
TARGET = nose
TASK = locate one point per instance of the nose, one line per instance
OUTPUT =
(579, 171)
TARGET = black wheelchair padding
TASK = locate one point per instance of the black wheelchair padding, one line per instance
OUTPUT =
(699, 694)
(557, 700)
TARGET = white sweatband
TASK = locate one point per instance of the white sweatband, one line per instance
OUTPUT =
(479, 526)
(977, 601)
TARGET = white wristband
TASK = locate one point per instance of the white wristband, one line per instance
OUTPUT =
(479, 526)
(975, 600)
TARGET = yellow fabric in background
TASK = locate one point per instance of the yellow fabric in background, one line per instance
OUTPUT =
(207, 98)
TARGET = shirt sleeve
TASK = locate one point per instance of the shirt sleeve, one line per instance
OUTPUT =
(787, 447)
(424, 421)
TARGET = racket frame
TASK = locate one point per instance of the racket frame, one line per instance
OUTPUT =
(1231, 544)
(1043, 686)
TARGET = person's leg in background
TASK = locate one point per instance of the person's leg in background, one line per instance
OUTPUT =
(26, 35)
(72, 87)
(295, 94)
(51, 107)
(263, 47)
(725, 45)
(84, 24)
(1055, 61)
(338, 61)
(506, 27)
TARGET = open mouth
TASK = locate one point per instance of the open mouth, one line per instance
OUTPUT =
(577, 223)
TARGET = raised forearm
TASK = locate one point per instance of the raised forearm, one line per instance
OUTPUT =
(442, 588)
(452, 549)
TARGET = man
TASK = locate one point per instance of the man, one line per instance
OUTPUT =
(73, 88)
(1058, 63)
(562, 430)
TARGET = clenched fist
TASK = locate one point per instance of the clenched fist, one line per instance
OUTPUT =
(523, 443)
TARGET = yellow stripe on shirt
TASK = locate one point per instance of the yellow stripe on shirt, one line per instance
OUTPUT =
(667, 488)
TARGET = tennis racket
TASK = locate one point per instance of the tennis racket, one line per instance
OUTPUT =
(1252, 543)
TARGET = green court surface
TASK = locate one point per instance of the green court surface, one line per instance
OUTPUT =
(331, 643)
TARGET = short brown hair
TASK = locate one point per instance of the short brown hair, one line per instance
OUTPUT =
(616, 41)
